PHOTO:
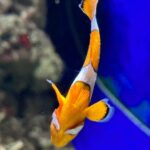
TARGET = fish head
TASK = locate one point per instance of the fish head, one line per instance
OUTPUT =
(63, 130)
(68, 118)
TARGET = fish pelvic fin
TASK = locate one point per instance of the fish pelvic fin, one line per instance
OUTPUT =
(89, 7)
(99, 112)
(60, 97)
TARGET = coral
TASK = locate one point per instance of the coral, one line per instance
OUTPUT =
(27, 59)
(25, 45)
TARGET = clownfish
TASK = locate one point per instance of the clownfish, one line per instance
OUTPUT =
(68, 119)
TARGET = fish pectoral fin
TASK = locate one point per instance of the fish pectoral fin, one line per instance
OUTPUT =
(60, 97)
(99, 111)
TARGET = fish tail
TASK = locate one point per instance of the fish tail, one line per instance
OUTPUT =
(89, 7)
(93, 54)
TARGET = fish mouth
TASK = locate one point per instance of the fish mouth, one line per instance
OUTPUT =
(58, 143)
(61, 141)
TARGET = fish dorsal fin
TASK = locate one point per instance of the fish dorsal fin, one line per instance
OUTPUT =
(98, 111)
(79, 93)
(60, 97)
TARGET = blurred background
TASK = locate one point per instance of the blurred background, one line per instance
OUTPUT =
(48, 39)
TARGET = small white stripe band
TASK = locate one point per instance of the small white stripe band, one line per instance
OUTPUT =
(94, 25)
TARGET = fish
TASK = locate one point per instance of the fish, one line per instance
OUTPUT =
(68, 118)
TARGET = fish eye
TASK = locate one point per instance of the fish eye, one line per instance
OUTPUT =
(75, 130)
(55, 121)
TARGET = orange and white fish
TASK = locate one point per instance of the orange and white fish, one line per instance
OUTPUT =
(68, 119)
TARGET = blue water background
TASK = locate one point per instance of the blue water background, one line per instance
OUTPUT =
(125, 68)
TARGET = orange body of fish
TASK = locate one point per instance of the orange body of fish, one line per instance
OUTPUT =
(68, 119)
